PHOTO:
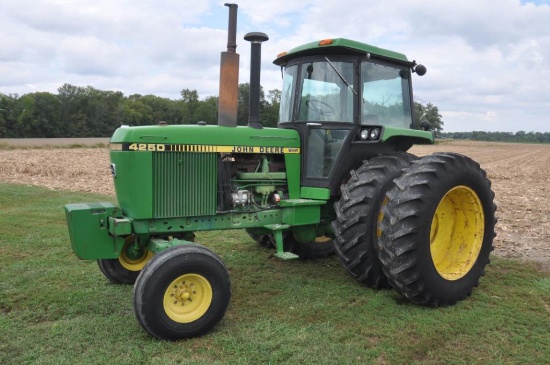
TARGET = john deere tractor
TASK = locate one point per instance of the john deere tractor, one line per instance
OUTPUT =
(334, 177)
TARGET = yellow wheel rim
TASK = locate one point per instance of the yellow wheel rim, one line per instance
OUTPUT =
(187, 298)
(456, 233)
(133, 264)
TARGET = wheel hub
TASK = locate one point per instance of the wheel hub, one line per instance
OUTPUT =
(183, 293)
(187, 298)
(132, 258)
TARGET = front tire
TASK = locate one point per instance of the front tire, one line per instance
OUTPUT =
(125, 269)
(357, 217)
(183, 292)
(437, 229)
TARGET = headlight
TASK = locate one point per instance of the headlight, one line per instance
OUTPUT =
(371, 134)
(374, 134)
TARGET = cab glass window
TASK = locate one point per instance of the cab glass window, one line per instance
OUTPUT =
(327, 92)
(386, 95)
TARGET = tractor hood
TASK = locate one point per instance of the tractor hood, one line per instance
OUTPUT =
(201, 138)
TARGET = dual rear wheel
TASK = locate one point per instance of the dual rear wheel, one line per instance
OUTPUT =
(422, 226)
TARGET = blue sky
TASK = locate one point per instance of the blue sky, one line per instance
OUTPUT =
(488, 61)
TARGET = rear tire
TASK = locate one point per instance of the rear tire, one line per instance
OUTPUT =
(182, 292)
(357, 217)
(322, 247)
(266, 240)
(437, 229)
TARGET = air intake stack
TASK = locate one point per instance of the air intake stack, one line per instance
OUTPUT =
(229, 75)
(256, 39)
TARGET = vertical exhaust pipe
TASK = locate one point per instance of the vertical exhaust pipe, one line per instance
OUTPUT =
(228, 103)
(256, 39)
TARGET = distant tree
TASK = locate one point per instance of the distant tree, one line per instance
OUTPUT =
(38, 116)
(427, 117)
(73, 110)
(207, 110)
(8, 115)
(190, 99)
(270, 111)
(132, 111)
(244, 104)
(163, 109)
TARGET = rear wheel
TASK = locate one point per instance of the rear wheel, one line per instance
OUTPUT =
(437, 228)
(357, 216)
(183, 292)
(321, 247)
(266, 240)
(125, 269)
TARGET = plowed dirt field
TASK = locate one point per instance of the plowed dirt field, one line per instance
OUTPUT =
(520, 174)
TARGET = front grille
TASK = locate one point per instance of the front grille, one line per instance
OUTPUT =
(184, 184)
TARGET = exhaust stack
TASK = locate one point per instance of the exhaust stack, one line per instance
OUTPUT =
(256, 39)
(229, 75)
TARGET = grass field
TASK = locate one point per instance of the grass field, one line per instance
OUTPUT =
(55, 309)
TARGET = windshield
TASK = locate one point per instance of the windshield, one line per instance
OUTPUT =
(326, 92)
(386, 95)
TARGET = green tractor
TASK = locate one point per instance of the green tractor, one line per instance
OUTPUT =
(334, 177)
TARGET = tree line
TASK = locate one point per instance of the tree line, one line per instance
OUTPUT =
(88, 112)
(519, 137)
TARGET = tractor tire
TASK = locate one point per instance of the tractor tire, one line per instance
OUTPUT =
(357, 217)
(125, 269)
(266, 240)
(182, 292)
(436, 229)
(321, 247)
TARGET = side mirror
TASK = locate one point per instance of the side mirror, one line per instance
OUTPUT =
(420, 70)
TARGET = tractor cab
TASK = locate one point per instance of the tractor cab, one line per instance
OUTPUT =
(349, 101)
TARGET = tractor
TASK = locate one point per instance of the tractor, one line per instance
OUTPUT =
(334, 177)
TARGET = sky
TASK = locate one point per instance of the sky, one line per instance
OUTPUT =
(488, 61)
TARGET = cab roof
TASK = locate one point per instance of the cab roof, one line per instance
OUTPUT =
(339, 46)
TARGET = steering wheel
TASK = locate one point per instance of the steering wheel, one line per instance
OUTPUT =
(320, 107)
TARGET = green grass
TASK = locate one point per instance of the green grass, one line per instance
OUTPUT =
(55, 309)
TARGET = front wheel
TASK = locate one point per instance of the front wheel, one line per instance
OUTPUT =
(183, 292)
(125, 269)
(436, 229)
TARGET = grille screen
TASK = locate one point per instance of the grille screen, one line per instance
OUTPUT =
(184, 184)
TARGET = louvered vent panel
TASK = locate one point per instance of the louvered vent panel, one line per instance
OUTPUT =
(185, 184)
